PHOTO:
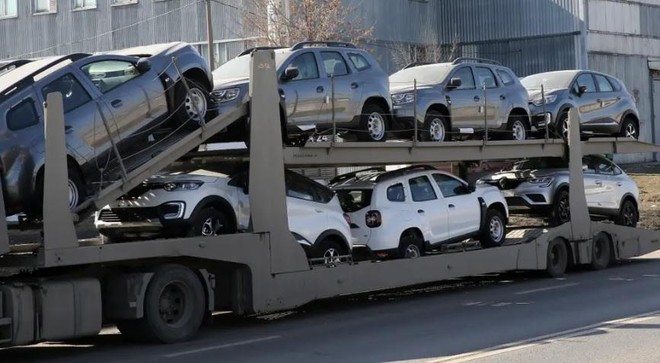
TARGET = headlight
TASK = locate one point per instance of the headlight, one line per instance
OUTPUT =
(403, 98)
(183, 185)
(545, 181)
(480, 182)
(226, 95)
(548, 100)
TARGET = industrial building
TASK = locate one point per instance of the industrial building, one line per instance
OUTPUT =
(619, 37)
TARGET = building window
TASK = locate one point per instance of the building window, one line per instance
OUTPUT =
(124, 2)
(45, 6)
(8, 8)
(84, 4)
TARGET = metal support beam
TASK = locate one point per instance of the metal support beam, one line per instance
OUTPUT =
(59, 231)
(267, 190)
(4, 233)
(580, 220)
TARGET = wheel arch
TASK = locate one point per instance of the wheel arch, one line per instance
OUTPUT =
(443, 109)
(521, 112)
(382, 103)
(220, 204)
(333, 234)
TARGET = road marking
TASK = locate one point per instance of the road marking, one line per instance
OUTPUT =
(546, 339)
(223, 346)
(547, 288)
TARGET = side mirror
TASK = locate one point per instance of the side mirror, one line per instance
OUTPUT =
(582, 90)
(143, 65)
(471, 188)
(290, 73)
(454, 83)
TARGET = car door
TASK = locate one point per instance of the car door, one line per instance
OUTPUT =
(609, 184)
(609, 101)
(343, 88)
(490, 96)
(307, 217)
(464, 101)
(592, 189)
(463, 206)
(588, 101)
(305, 94)
(431, 209)
(124, 93)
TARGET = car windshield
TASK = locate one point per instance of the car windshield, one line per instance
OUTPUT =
(542, 163)
(352, 200)
(239, 67)
(554, 80)
(428, 74)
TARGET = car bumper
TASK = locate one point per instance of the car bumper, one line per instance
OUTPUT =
(167, 216)
(528, 198)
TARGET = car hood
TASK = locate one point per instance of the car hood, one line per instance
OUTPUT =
(536, 93)
(406, 88)
(230, 82)
(523, 174)
(201, 175)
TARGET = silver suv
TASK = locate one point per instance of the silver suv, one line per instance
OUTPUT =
(603, 103)
(460, 95)
(540, 187)
(359, 102)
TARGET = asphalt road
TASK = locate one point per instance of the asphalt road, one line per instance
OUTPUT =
(590, 316)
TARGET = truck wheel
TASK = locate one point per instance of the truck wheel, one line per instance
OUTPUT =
(410, 245)
(601, 252)
(209, 222)
(557, 259)
(494, 229)
(628, 214)
(436, 128)
(373, 123)
(173, 308)
(190, 107)
(330, 250)
(561, 208)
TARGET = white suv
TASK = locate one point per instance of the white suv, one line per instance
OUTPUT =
(406, 212)
(205, 203)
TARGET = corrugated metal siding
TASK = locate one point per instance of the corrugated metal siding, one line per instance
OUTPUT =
(634, 72)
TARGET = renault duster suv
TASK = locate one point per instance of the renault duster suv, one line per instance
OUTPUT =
(319, 82)
(406, 212)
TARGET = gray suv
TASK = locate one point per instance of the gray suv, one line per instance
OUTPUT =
(451, 97)
(604, 105)
(134, 92)
(360, 103)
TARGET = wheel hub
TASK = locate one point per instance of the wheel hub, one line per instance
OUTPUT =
(195, 105)
(73, 194)
(631, 132)
(437, 130)
(172, 303)
(331, 256)
(564, 210)
(496, 229)
(211, 226)
(519, 131)
(376, 126)
(412, 251)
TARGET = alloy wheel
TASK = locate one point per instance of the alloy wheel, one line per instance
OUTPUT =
(211, 227)
(631, 131)
(74, 194)
(412, 251)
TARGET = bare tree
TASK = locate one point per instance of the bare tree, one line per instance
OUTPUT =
(428, 50)
(284, 22)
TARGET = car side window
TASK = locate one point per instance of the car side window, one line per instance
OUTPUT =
(615, 84)
(73, 93)
(605, 167)
(22, 115)
(588, 166)
(396, 193)
(485, 77)
(421, 189)
(110, 74)
(359, 62)
(603, 84)
(334, 64)
(300, 187)
(506, 78)
(467, 79)
(586, 80)
(450, 187)
(307, 67)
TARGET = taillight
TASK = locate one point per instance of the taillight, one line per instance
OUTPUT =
(373, 219)
(347, 218)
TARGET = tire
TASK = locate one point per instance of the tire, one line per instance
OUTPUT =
(184, 107)
(436, 128)
(76, 186)
(628, 214)
(557, 258)
(561, 208)
(629, 129)
(518, 129)
(410, 245)
(209, 222)
(373, 123)
(329, 249)
(493, 233)
(601, 252)
(561, 126)
(174, 308)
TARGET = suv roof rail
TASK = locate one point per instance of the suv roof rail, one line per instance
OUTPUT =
(476, 60)
(417, 64)
(404, 171)
(250, 50)
(308, 44)
(29, 79)
(344, 177)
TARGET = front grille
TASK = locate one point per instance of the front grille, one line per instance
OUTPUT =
(123, 215)
(505, 183)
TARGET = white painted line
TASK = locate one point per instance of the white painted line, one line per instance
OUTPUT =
(546, 339)
(546, 288)
(223, 346)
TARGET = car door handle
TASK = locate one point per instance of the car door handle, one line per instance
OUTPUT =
(619, 184)
(598, 182)
(476, 99)
(116, 103)
(68, 129)
(354, 85)
(318, 211)
(451, 206)
(502, 97)
(420, 211)
(320, 89)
